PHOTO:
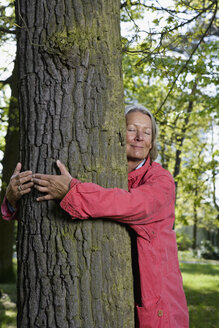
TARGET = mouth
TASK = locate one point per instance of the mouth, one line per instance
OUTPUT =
(134, 146)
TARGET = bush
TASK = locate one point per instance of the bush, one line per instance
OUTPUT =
(183, 241)
(208, 251)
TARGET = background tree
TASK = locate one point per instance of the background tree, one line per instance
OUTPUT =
(172, 70)
(9, 115)
(9, 161)
(70, 273)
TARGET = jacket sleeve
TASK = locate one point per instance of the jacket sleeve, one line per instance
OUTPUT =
(6, 213)
(150, 202)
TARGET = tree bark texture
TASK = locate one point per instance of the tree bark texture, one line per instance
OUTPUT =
(9, 161)
(72, 273)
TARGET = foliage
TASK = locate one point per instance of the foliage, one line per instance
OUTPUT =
(208, 251)
(7, 21)
(173, 72)
(7, 32)
(183, 241)
(4, 105)
(8, 310)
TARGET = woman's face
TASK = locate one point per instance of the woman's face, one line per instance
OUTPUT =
(138, 136)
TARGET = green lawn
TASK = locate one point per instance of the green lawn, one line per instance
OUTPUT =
(201, 284)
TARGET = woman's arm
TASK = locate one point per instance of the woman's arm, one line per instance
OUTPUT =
(150, 202)
(19, 185)
(8, 213)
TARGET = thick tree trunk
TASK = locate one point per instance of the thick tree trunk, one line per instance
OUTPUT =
(72, 273)
(9, 163)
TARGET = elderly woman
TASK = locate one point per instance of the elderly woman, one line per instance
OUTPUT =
(147, 207)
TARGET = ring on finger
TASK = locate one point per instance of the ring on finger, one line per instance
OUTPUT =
(19, 188)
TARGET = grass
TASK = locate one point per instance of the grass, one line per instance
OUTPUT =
(189, 257)
(201, 285)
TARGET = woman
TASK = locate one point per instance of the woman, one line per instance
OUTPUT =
(148, 208)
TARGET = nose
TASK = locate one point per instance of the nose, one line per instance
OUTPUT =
(139, 136)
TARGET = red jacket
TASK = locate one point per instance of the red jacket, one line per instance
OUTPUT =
(148, 208)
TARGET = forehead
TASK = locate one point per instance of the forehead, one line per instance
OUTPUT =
(138, 118)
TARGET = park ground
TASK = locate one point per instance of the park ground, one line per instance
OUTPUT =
(201, 285)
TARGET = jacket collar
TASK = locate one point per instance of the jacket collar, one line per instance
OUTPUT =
(143, 169)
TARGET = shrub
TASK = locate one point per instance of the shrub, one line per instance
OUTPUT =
(183, 241)
(208, 251)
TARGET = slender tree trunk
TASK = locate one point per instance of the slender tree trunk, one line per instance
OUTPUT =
(195, 221)
(72, 273)
(214, 174)
(9, 162)
(180, 138)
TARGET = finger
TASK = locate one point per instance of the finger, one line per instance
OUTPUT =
(42, 176)
(27, 185)
(46, 197)
(62, 168)
(25, 191)
(25, 174)
(17, 169)
(22, 175)
(42, 189)
(40, 182)
(25, 179)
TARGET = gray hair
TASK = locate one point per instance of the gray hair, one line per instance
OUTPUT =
(140, 108)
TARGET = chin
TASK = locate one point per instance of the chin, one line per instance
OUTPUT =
(135, 159)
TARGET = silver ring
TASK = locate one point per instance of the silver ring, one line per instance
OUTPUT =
(19, 188)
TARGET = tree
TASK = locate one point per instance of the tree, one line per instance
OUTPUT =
(173, 72)
(9, 162)
(70, 273)
(11, 150)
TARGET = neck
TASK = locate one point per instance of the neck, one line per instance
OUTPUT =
(133, 164)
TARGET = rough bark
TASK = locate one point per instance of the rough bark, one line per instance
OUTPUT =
(72, 273)
(9, 162)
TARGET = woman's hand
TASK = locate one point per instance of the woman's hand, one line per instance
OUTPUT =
(19, 185)
(56, 186)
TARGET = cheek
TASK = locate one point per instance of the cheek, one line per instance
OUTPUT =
(149, 143)
(128, 138)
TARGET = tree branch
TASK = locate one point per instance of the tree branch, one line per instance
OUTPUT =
(7, 81)
(186, 22)
(188, 60)
(133, 4)
(5, 30)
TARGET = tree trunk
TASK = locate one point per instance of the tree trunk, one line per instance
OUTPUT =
(9, 162)
(72, 273)
(195, 220)
(180, 138)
